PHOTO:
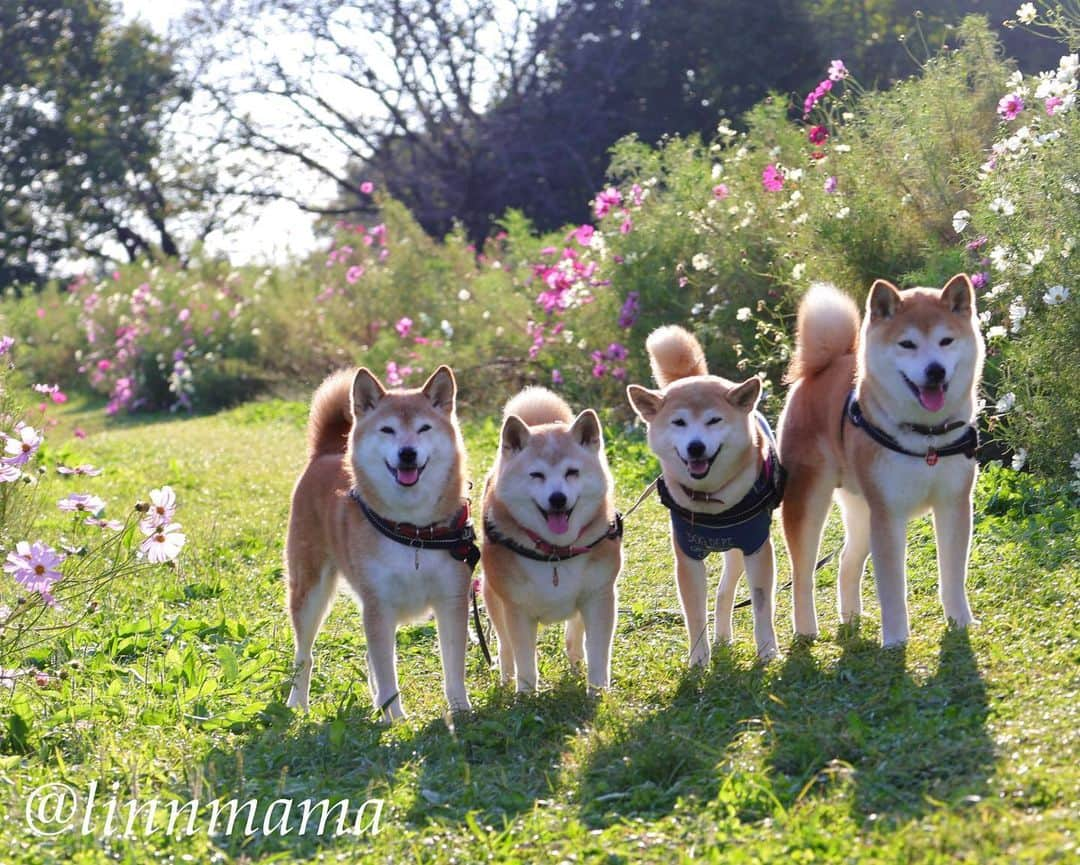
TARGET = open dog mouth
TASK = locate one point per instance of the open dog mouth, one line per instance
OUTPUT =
(558, 522)
(931, 397)
(407, 476)
(699, 468)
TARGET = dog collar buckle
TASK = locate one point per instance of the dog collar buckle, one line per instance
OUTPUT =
(931, 456)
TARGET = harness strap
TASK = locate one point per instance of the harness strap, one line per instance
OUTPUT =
(458, 539)
(967, 444)
(546, 552)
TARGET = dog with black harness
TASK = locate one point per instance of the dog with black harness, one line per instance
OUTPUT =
(721, 482)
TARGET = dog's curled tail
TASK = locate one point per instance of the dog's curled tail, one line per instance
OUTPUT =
(674, 353)
(330, 420)
(828, 328)
(538, 405)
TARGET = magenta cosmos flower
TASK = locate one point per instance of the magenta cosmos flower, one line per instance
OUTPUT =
(838, 71)
(818, 135)
(605, 201)
(403, 326)
(35, 566)
(367, 187)
(1010, 105)
(772, 179)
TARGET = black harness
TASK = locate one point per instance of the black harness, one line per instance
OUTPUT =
(458, 539)
(542, 551)
(967, 444)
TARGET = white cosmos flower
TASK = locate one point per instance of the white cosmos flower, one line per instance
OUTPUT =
(960, 220)
(1003, 206)
(1006, 403)
(164, 544)
(700, 261)
(1019, 459)
(743, 313)
(1074, 463)
(463, 295)
(1017, 313)
(843, 212)
(1026, 14)
(1056, 294)
(798, 270)
(996, 332)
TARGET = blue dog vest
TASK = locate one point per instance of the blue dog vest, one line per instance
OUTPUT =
(745, 526)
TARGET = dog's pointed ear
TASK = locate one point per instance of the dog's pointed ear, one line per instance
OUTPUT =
(883, 299)
(745, 396)
(644, 401)
(366, 392)
(586, 430)
(958, 295)
(515, 433)
(441, 388)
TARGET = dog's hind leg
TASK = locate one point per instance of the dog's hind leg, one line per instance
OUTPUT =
(803, 512)
(311, 594)
(856, 516)
(952, 528)
(725, 595)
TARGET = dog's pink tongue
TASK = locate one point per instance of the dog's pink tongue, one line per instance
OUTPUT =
(932, 398)
(698, 467)
(559, 523)
(408, 477)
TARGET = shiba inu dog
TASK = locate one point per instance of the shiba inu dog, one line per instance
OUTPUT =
(721, 481)
(382, 503)
(884, 417)
(552, 539)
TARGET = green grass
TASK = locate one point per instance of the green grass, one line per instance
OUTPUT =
(963, 747)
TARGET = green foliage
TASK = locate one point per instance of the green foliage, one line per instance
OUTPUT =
(172, 688)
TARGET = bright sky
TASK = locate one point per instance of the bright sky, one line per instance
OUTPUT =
(274, 231)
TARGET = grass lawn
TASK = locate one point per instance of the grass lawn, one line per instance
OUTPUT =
(963, 747)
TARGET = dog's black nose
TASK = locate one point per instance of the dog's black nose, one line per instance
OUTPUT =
(696, 449)
(557, 501)
(935, 373)
(406, 457)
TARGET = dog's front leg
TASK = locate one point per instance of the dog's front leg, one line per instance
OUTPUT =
(599, 614)
(379, 629)
(725, 596)
(952, 528)
(761, 574)
(452, 620)
(888, 548)
(523, 641)
(690, 576)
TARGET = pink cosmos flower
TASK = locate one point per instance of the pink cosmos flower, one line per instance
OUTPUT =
(403, 326)
(104, 365)
(838, 71)
(81, 503)
(772, 179)
(583, 234)
(818, 135)
(556, 377)
(84, 470)
(1010, 105)
(164, 544)
(22, 447)
(721, 191)
(830, 185)
(629, 312)
(627, 225)
(161, 510)
(112, 525)
(6, 342)
(35, 566)
(79, 432)
(605, 201)
(1052, 104)
(979, 280)
(367, 187)
(9, 474)
(637, 195)
(354, 273)
(617, 351)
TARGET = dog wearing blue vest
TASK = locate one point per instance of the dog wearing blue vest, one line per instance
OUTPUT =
(721, 480)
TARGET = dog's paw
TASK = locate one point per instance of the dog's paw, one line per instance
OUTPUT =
(296, 701)
(768, 652)
(699, 658)
(965, 620)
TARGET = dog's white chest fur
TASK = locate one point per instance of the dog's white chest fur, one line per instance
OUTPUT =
(408, 580)
(533, 586)
(909, 486)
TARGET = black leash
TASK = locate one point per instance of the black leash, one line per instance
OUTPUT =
(821, 563)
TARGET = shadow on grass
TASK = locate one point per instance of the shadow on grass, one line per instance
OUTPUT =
(907, 745)
(646, 766)
(498, 760)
